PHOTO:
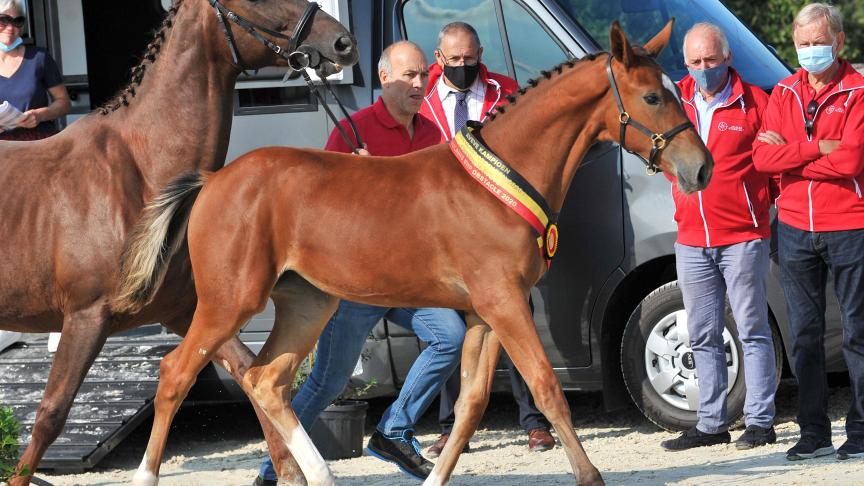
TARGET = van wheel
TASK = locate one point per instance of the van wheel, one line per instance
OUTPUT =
(658, 365)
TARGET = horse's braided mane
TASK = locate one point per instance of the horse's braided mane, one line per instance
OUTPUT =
(137, 73)
(532, 83)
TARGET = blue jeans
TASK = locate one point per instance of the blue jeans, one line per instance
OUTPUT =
(805, 261)
(339, 348)
(706, 276)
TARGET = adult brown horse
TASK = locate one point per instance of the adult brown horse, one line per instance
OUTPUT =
(68, 203)
(409, 231)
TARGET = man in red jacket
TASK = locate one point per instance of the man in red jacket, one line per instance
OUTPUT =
(461, 89)
(812, 137)
(723, 246)
(460, 83)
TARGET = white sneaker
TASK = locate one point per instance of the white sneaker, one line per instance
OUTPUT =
(53, 341)
(8, 338)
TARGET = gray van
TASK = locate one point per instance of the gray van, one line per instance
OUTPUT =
(609, 312)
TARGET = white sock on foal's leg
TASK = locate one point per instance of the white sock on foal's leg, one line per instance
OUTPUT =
(143, 476)
(314, 466)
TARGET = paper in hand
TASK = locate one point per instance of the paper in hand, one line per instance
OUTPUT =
(9, 116)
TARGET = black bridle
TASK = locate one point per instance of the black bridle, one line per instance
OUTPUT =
(224, 14)
(658, 140)
(299, 57)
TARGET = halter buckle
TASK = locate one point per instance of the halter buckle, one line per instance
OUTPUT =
(624, 117)
(658, 141)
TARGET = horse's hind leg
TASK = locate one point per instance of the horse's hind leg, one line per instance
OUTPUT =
(236, 358)
(217, 319)
(302, 311)
(84, 334)
(480, 352)
(511, 320)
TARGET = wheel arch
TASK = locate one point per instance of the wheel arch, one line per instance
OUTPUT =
(625, 295)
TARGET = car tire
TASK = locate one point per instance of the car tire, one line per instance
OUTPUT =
(658, 367)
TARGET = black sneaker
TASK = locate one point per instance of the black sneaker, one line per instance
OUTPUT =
(695, 438)
(810, 446)
(259, 481)
(851, 448)
(403, 451)
(755, 436)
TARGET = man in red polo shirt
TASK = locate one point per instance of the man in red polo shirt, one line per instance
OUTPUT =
(812, 137)
(389, 127)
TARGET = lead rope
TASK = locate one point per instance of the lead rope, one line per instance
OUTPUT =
(322, 99)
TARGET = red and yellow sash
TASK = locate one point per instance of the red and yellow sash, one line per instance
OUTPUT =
(509, 187)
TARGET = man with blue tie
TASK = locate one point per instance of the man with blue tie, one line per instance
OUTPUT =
(461, 88)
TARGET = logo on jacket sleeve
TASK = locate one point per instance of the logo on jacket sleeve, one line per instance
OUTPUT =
(723, 126)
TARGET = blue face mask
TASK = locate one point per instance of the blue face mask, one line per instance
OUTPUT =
(5, 48)
(816, 59)
(709, 79)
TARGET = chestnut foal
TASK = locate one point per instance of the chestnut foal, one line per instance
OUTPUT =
(312, 227)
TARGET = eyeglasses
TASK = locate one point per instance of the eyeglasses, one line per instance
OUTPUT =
(7, 20)
(808, 122)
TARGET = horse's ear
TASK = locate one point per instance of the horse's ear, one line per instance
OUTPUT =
(622, 51)
(655, 45)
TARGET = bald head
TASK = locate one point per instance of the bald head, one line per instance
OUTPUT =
(399, 49)
(404, 73)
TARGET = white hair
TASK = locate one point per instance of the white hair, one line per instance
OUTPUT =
(715, 31)
(16, 4)
(817, 11)
(384, 63)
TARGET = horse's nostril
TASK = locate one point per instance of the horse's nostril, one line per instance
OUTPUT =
(344, 45)
(703, 176)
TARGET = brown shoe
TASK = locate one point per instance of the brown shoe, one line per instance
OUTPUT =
(540, 440)
(439, 444)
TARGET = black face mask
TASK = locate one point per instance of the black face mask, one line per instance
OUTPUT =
(462, 76)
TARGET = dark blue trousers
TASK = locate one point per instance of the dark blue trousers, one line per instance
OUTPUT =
(806, 258)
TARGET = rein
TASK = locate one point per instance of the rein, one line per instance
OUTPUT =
(658, 140)
(299, 57)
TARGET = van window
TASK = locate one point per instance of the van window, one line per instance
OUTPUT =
(532, 48)
(641, 19)
(423, 20)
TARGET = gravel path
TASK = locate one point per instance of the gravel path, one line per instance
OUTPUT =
(221, 446)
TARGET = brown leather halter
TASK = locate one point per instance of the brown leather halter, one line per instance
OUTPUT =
(658, 140)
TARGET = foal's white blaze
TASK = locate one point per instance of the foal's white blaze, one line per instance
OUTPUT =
(673, 88)
(309, 459)
(143, 476)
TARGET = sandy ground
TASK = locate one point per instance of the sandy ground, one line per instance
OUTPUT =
(222, 446)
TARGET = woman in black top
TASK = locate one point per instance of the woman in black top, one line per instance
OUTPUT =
(28, 75)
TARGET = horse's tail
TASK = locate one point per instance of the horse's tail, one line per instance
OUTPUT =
(156, 237)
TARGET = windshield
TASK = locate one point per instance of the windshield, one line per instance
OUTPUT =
(641, 19)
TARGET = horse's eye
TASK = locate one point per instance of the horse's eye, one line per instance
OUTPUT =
(651, 99)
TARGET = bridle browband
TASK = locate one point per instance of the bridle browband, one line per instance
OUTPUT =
(658, 140)
(299, 57)
(224, 14)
